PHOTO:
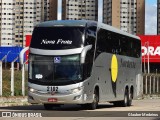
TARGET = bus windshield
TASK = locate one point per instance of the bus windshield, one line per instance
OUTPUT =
(54, 69)
(57, 38)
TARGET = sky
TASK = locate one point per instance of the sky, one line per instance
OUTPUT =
(150, 15)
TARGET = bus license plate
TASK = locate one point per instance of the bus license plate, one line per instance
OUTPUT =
(52, 99)
(52, 89)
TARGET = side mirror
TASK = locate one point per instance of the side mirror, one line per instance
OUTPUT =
(84, 52)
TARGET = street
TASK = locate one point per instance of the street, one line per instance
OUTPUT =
(148, 109)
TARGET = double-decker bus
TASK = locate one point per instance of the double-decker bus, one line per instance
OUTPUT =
(82, 62)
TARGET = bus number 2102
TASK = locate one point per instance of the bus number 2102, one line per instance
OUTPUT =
(52, 88)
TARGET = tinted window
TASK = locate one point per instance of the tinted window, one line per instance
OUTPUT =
(90, 40)
(115, 43)
(56, 38)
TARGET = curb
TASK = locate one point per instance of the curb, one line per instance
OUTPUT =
(13, 101)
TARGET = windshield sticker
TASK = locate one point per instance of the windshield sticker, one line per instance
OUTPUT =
(38, 76)
(57, 59)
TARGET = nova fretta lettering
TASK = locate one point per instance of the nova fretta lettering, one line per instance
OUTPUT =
(150, 50)
(58, 42)
(45, 41)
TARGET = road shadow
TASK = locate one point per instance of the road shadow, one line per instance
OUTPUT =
(61, 108)
(66, 111)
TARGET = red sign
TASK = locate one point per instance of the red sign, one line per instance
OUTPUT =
(28, 40)
(150, 48)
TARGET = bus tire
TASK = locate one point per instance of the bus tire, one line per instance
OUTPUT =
(117, 103)
(130, 97)
(48, 106)
(94, 104)
(125, 102)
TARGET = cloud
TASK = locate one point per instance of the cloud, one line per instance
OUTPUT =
(151, 19)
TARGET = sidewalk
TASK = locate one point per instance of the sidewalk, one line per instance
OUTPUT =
(13, 101)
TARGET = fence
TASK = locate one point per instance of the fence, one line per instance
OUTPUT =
(151, 84)
(13, 81)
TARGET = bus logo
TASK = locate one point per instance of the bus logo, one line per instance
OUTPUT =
(57, 59)
(114, 68)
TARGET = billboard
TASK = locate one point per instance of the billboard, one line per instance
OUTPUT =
(150, 48)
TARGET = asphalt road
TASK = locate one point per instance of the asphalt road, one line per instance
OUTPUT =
(148, 109)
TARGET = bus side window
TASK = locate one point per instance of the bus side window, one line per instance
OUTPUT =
(104, 42)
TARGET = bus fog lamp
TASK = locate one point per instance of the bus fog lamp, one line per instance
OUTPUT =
(77, 97)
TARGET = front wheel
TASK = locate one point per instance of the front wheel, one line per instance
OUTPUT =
(48, 106)
(94, 104)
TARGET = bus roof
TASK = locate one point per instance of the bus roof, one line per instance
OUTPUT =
(63, 23)
(83, 23)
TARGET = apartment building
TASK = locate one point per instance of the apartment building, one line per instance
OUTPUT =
(80, 9)
(127, 15)
(7, 22)
(19, 17)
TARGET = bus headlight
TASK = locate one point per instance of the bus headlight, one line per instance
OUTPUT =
(75, 90)
(31, 89)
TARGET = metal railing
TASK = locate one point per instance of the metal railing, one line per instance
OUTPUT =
(8, 76)
(151, 84)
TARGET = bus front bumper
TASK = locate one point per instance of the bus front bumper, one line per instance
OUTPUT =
(75, 98)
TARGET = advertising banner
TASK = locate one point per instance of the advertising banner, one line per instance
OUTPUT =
(150, 48)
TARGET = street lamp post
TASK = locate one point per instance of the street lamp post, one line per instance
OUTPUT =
(148, 58)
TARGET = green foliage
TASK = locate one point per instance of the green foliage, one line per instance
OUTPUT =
(6, 78)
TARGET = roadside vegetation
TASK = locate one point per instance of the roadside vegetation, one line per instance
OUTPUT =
(6, 78)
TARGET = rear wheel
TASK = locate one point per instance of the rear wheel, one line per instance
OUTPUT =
(130, 97)
(117, 103)
(124, 102)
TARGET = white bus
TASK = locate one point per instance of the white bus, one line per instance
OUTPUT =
(82, 62)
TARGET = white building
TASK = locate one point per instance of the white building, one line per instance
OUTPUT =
(127, 15)
(80, 9)
(7, 22)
